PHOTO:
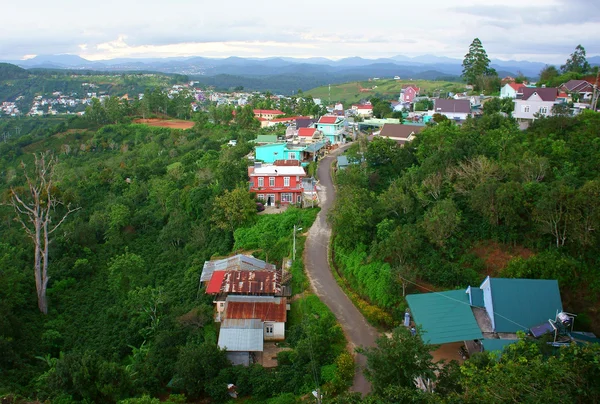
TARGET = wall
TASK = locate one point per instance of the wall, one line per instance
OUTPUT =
(278, 332)
(534, 108)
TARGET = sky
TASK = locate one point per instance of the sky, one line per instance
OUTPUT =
(534, 30)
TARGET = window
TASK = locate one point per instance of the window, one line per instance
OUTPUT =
(269, 329)
(286, 181)
(292, 156)
(543, 110)
(271, 181)
(261, 182)
(261, 197)
(525, 108)
(299, 199)
(287, 197)
(222, 304)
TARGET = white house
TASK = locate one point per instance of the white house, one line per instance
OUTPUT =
(452, 109)
(510, 90)
(535, 102)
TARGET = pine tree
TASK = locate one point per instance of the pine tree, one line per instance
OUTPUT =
(476, 63)
(577, 62)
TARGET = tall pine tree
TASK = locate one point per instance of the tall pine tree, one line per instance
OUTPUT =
(476, 63)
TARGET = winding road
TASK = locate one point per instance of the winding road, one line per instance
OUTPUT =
(356, 328)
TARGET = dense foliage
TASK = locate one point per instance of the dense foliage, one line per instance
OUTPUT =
(127, 316)
(420, 213)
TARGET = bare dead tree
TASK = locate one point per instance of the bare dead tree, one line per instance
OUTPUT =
(35, 208)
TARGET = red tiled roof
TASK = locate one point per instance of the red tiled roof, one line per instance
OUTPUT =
(249, 282)
(563, 95)
(268, 111)
(328, 119)
(306, 132)
(516, 86)
(265, 311)
(283, 119)
(361, 106)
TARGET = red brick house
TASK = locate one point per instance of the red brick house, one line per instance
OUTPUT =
(280, 181)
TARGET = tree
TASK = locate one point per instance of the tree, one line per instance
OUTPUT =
(476, 63)
(35, 208)
(441, 221)
(197, 366)
(397, 361)
(548, 74)
(577, 62)
(233, 209)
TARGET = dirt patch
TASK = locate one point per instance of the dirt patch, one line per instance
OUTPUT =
(496, 256)
(166, 123)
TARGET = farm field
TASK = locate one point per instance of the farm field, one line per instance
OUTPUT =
(353, 92)
(166, 123)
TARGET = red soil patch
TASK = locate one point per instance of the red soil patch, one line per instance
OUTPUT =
(496, 256)
(164, 123)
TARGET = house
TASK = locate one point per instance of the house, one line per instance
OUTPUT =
(400, 133)
(267, 114)
(279, 182)
(453, 109)
(332, 128)
(510, 90)
(300, 150)
(489, 316)
(408, 93)
(581, 87)
(535, 102)
(250, 304)
(303, 122)
(309, 135)
(362, 109)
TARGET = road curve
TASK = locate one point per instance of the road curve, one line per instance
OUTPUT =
(356, 328)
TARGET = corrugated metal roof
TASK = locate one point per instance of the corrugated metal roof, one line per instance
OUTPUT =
(520, 304)
(265, 311)
(444, 316)
(476, 296)
(242, 298)
(245, 323)
(239, 261)
(342, 161)
(250, 282)
(241, 339)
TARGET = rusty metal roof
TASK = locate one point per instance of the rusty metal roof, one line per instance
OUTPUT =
(265, 311)
(259, 282)
(237, 262)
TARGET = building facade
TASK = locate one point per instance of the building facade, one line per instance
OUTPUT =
(280, 182)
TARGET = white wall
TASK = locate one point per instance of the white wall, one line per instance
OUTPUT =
(278, 331)
(487, 300)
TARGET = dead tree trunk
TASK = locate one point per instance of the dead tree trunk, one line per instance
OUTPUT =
(35, 207)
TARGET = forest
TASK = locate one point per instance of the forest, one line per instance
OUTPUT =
(126, 321)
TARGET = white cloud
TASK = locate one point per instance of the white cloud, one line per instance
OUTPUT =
(543, 30)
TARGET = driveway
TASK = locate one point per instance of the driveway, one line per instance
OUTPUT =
(356, 328)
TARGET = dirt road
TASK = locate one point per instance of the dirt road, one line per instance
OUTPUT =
(357, 330)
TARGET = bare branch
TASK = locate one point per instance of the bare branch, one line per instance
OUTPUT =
(63, 219)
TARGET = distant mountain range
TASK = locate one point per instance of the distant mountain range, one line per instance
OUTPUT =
(403, 66)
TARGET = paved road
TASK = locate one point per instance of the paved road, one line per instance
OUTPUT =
(357, 330)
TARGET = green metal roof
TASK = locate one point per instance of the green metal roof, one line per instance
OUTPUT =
(497, 344)
(476, 297)
(266, 138)
(520, 304)
(342, 162)
(444, 316)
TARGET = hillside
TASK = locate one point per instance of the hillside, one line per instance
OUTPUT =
(10, 72)
(352, 92)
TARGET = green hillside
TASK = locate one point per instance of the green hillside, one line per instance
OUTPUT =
(10, 72)
(353, 92)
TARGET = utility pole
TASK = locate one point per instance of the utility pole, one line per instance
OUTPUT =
(595, 93)
(294, 245)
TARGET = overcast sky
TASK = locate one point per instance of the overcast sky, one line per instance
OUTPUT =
(536, 30)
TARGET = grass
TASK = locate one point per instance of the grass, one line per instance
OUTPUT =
(348, 93)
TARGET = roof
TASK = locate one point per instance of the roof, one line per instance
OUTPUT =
(476, 296)
(274, 310)
(266, 138)
(328, 119)
(497, 344)
(273, 170)
(546, 94)
(268, 112)
(578, 86)
(290, 163)
(363, 106)
(396, 130)
(516, 86)
(249, 282)
(444, 316)
(342, 161)
(306, 132)
(520, 304)
(241, 335)
(311, 148)
(303, 122)
(239, 261)
(441, 105)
